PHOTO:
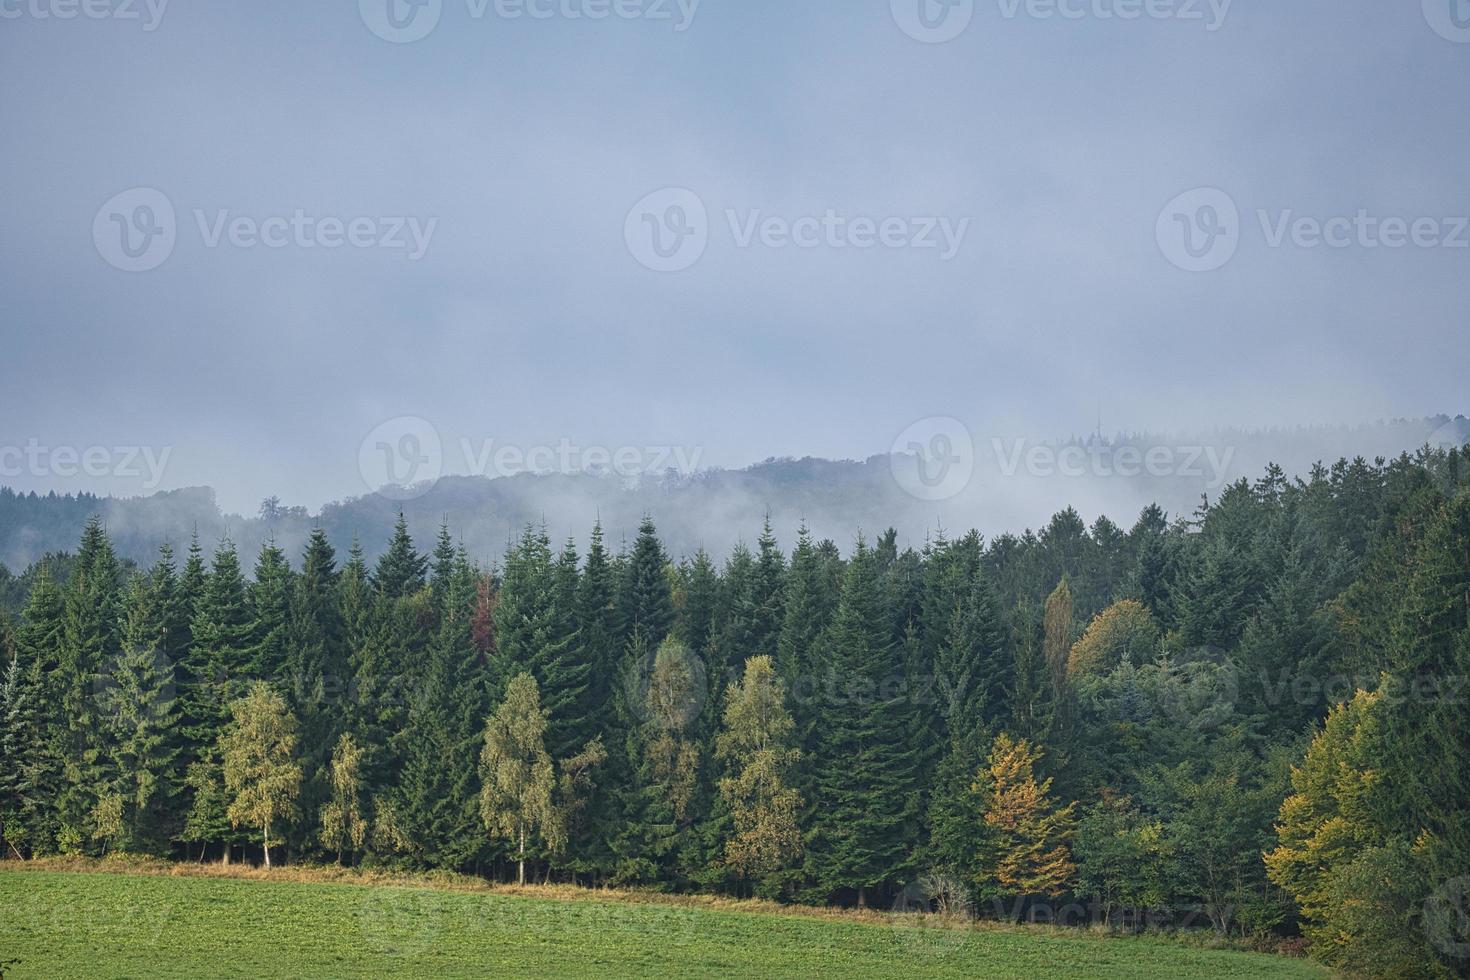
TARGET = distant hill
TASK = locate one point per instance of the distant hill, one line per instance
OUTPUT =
(1015, 485)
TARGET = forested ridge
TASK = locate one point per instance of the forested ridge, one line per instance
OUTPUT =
(1251, 718)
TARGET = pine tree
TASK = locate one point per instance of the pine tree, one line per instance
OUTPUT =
(19, 753)
(40, 642)
(316, 661)
(697, 612)
(90, 646)
(219, 658)
(139, 717)
(270, 604)
(400, 572)
(864, 777)
(437, 799)
(646, 606)
(214, 671)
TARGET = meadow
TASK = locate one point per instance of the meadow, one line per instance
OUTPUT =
(128, 924)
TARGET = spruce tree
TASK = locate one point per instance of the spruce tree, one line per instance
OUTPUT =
(214, 672)
(90, 646)
(39, 644)
(437, 792)
(270, 604)
(136, 699)
(864, 775)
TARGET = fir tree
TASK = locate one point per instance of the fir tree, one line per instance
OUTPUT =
(864, 777)
(136, 700)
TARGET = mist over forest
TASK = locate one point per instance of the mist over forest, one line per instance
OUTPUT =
(1016, 485)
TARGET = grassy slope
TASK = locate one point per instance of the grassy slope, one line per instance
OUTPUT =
(60, 924)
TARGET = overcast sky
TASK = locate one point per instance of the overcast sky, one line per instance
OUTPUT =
(1000, 234)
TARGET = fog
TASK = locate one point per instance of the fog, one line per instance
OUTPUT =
(874, 232)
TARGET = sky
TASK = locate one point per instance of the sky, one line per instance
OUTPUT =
(280, 248)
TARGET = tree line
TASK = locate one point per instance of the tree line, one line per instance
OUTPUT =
(1251, 717)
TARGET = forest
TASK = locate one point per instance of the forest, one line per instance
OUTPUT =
(1250, 719)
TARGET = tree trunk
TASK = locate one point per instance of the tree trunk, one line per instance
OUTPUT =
(521, 860)
(266, 844)
(862, 896)
(227, 854)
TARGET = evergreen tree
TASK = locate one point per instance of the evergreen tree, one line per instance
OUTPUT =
(19, 753)
(40, 642)
(316, 669)
(270, 604)
(864, 777)
(400, 572)
(90, 646)
(437, 802)
(645, 602)
(136, 701)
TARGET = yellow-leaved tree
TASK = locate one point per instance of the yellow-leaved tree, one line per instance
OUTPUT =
(1028, 853)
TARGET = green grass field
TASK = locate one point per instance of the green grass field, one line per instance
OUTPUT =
(61, 924)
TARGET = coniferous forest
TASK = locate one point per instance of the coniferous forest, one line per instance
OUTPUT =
(1251, 718)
